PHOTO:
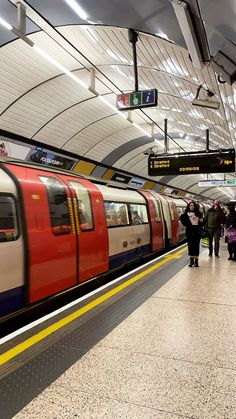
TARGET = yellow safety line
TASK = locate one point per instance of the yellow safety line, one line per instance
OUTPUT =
(16, 350)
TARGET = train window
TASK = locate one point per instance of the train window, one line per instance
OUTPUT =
(84, 206)
(138, 214)
(179, 211)
(157, 211)
(171, 211)
(116, 213)
(8, 219)
(58, 206)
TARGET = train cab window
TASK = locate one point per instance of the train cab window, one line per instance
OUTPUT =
(157, 211)
(116, 214)
(58, 206)
(138, 214)
(84, 206)
(8, 219)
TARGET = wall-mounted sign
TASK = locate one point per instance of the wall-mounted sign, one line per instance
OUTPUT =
(192, 163)
(136, 100)
(119, 177)
(13, 149)
(47, 158)
(135, 181)
(132, 181)
(212, 182)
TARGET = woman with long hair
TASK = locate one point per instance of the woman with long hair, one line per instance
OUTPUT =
(193, 220)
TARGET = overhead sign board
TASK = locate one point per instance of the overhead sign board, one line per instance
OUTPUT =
(192, 163)
(136, 100)
(215, 182)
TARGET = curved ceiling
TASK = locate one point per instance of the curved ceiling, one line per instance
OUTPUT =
(47, 102)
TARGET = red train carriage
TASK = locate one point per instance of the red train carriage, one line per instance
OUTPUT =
(58, 230)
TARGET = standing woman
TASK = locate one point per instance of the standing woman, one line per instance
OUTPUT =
(193, 220)
(231, 229)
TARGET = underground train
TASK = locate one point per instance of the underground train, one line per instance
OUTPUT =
(58, 230)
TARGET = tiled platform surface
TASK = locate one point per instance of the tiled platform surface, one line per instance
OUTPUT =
(173, 357)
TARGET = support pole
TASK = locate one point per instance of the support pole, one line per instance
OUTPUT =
(207, 140)
(133, 38)
(166, 135)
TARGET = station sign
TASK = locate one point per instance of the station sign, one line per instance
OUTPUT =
(215, 182)
(192, 163)
(136, 100)
(129, 180)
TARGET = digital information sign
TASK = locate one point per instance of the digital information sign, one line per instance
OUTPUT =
(136, 100)
(192, 163)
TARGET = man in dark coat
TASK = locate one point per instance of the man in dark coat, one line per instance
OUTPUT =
(214, 220)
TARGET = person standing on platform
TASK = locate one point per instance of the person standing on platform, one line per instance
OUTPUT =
(193, 220)
(214, 220)
(230, 225)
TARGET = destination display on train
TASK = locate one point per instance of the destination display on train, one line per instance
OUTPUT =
(192, 163)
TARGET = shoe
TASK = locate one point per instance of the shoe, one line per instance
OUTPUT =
(191, 263)
(196, 263)
(217, 256)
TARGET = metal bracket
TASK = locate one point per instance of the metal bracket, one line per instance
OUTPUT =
(21, 18)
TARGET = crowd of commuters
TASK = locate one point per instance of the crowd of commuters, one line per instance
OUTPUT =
(211, 225)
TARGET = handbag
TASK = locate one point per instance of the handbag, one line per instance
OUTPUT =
(231, 235)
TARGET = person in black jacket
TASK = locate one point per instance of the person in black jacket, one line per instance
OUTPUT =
(193, 220)
(231, 222)
(214, 220)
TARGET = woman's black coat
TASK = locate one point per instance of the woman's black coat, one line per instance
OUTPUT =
(192, 230)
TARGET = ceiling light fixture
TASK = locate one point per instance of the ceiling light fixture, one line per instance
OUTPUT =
(141, 129)
(5, 24)
(183, 16)
(77, 9)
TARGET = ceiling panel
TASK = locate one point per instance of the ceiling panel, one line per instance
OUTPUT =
(38, 100)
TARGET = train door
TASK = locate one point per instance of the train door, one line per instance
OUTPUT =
(180, 207)
(91, 228)
(11, 248)
(174, 220)
(155, 221)
(50, 230)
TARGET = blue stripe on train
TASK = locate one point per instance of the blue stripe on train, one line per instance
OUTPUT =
(11, 300)
(128, 256)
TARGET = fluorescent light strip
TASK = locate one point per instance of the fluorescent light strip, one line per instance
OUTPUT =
(60, 67)
(111, 106)
(141, 129)
(77, 9)
(5, 24)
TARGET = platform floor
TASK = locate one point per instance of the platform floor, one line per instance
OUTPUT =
(173, 357)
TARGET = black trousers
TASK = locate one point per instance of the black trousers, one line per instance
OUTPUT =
(232, 250)
(193, 245)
